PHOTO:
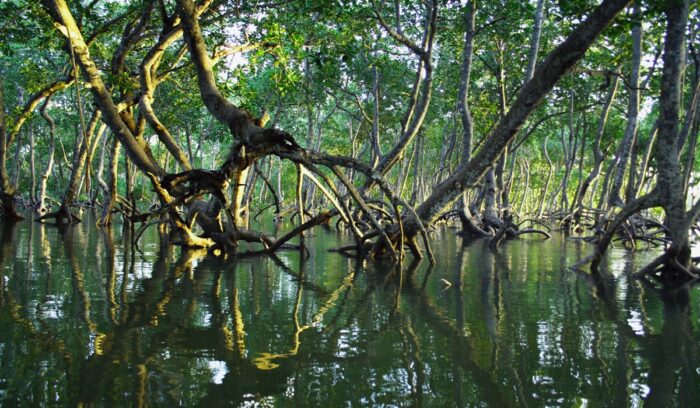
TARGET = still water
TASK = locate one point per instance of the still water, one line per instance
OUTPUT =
(87, 319)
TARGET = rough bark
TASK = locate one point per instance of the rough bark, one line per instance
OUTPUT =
(669, 177)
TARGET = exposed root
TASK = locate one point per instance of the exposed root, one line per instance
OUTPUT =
(62, 216)
(318, 219)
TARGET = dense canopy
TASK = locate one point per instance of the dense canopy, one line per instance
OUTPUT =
(381, 119)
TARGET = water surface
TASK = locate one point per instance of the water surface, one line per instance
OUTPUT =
(87, 319)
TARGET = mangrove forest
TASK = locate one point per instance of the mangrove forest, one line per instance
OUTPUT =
(349, 203)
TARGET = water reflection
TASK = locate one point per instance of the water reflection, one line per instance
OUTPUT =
(85, 318)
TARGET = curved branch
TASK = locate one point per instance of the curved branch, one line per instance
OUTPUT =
(238, 120)
(134, 144)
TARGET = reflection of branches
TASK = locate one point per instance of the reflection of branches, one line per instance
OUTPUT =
(78, 280)
(467, 358)
(297, 277)
(411, 344)
(111, 275)
(266, 360)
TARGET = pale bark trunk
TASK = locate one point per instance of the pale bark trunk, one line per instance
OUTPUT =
(149, 80)
(614, 199)
(543, 195)
(569, 148)
(16, 161)
(645, 160)
(469, 224)
(32, 167)
(40, 208)
(598, 155)
(535, 40)
(376, 146)
(526, 169)
(79, 161)
(99, 174)
(111, 193)
(422, 92)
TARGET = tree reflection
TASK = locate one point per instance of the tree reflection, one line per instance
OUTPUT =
(108, 325)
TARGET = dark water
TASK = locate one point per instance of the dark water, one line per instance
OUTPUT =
(84, 319)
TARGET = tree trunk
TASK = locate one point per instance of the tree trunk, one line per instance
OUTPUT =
(80, 159)
(598, 155)
(535, 40)
(669, 177)
(32, 168)
(569, 148)
(543, 194)
(99, 174)
(614, 199)
(422, 90)
(16, 162)
(9, 211)
(645, 161)
(120, 125)
(111, 193)
(41, 209)
(376, 146)
(469, 224)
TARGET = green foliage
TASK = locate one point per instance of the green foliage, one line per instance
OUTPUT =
(312, 68)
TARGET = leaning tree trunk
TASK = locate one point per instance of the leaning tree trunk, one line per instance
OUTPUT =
(7, 190)
(535, 39)
(133, 141)
(557, 64)
(645, 161)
